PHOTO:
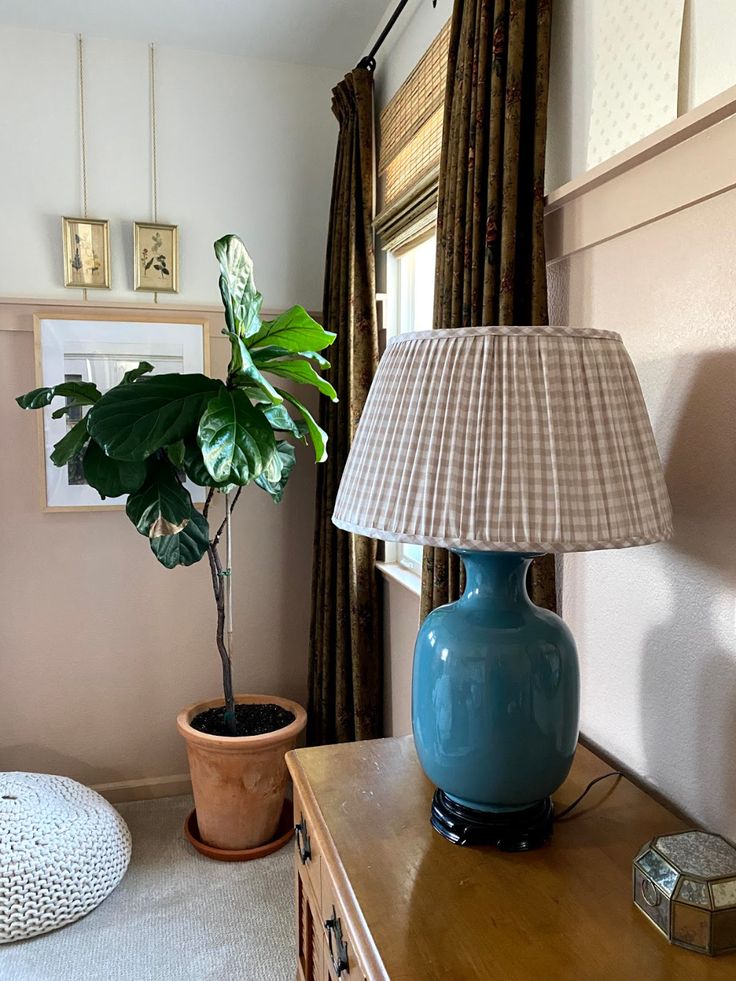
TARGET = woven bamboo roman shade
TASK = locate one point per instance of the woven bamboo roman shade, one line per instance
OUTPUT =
(410, 148)
(524, 439)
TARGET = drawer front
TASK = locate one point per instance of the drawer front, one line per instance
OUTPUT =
(307, 857)
(340, 961)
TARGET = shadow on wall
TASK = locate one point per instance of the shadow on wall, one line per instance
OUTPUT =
(688, 671)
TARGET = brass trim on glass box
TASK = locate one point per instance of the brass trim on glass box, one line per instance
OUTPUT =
(84, 267)
(153, 241)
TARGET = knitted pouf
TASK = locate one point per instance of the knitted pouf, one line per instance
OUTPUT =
(63, 849)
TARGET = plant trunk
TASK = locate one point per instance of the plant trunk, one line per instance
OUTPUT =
(227, 667)
(218, 586)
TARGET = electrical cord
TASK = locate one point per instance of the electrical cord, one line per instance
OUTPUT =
(571, 807)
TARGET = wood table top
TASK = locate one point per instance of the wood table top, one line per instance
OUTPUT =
(439, 912)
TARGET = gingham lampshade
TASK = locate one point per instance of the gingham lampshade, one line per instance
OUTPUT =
(529, 439)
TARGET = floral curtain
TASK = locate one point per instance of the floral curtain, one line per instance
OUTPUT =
(490, 237)
(345, 666)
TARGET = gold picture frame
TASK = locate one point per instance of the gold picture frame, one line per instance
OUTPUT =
(86, 253)
(155, 257)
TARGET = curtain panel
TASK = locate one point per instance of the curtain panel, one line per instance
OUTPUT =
(346, 661)
(491, 266)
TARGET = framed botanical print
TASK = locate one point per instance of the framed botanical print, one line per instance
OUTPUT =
(156, 257)
(100, 349)
(86, 253)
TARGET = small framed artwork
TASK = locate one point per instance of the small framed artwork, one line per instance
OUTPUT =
(100, 349)
(86, 253)
(156, 257)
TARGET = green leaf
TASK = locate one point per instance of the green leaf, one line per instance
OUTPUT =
(176, 452)
(235, 438)
(316, 433)
(84, 393)
(69, 445)
(274, 481)
(271, 352)
(131, 422)
(237, 286)
(282, 421)
(293, 330)
(198, 473)
(37, 398)
(242, 371)
(111, 478)
(303, 372)
(80, 392)
(162, 506)
(194, 466)
(64, 410)
(143, 369)
(186, 547)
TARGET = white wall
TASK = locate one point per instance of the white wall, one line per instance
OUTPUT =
(243, 146)
(571, 90)
(707, 67)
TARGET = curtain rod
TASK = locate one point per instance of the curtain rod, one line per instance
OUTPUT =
(369, 61)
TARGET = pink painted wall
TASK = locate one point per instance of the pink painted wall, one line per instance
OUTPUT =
(656, 626)
(99, 644)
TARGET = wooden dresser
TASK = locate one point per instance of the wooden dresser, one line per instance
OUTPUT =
(382, 895)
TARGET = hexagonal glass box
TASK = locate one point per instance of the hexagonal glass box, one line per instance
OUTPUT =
(686, 885)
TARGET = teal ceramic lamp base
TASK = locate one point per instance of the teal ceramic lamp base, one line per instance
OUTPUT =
(495, 705)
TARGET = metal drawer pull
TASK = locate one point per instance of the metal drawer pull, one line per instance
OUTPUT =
(302, 840)
(338, 955)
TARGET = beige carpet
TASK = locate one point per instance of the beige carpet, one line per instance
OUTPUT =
(176, 916)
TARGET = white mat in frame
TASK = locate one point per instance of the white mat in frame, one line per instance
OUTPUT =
(101, 348)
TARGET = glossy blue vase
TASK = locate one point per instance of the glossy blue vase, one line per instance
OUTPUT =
(495, 706)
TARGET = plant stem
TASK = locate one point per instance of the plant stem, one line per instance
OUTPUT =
(218, 587)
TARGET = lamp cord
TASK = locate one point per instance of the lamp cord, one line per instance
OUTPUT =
(571, 807)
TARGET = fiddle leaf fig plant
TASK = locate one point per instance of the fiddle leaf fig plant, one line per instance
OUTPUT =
(147, 435)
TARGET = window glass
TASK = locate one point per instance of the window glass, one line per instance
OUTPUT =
(411, 299)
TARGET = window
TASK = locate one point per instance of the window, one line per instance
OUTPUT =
(410, 146)
(414, 287)
(410, 297)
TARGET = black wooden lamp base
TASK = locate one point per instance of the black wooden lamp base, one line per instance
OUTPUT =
(512, 831)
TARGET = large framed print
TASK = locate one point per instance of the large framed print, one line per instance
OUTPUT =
(101, 349)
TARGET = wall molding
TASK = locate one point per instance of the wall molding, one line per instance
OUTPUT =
(41, 301)
(686, 162)
(145, 788)
(16, 313)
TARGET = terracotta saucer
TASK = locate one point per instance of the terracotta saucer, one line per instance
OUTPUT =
(284, 832)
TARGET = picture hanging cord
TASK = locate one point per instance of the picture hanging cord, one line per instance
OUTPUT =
(154, 154)
(82, 131)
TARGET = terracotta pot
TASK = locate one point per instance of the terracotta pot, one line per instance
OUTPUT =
(239, 782)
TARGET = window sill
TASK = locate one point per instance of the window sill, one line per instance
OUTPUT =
(409, 580)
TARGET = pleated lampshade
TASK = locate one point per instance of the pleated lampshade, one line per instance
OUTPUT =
(529, 439)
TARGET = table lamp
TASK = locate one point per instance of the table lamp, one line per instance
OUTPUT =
(501, 443)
